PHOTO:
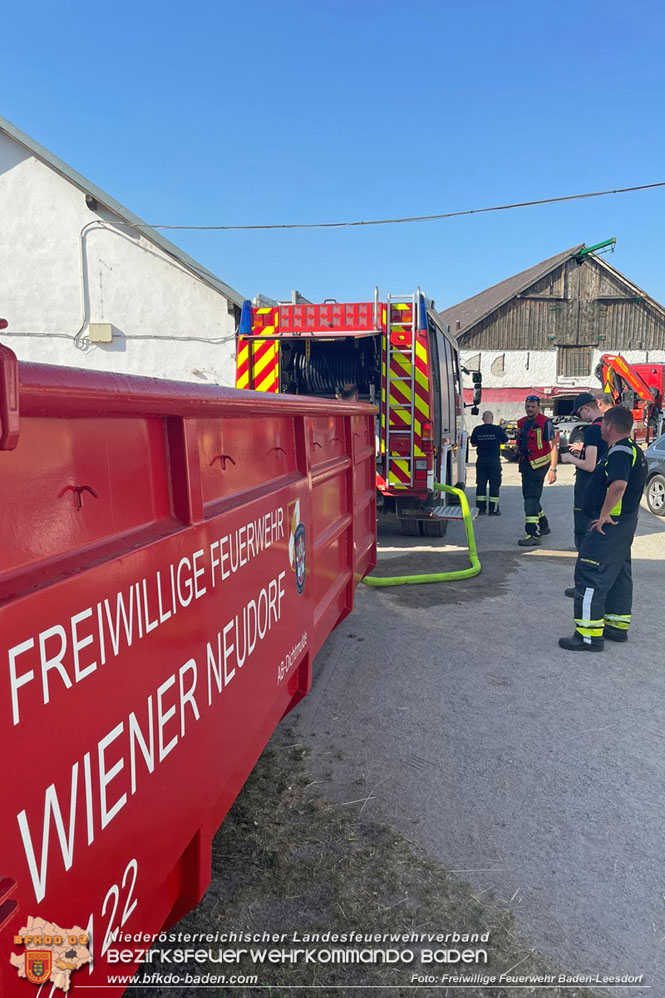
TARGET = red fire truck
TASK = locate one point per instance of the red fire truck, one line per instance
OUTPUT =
(398, 356)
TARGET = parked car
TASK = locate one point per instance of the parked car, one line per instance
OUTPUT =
(655, 487)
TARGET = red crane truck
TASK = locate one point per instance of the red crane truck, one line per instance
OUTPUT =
(401, 358)
(638, 387)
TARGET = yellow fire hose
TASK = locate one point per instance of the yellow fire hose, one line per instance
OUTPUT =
(464, 573)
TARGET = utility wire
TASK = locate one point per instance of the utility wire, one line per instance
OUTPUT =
(412, 218)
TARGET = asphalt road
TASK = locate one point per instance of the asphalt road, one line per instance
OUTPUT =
(526, 769)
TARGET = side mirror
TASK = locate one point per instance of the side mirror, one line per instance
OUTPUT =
(476, 377)
(475, 410)
(477, 396)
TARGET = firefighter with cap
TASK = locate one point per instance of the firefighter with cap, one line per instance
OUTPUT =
(584, 457)
(603, 579)
(538, 452)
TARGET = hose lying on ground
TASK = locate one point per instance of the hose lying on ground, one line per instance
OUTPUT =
(464, 573)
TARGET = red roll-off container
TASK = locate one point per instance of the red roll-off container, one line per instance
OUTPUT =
(172, 557)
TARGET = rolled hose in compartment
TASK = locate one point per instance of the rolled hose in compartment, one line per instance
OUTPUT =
(463, 573)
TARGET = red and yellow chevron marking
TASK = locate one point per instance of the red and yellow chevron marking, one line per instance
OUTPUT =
(383, 389)
(257, 364)
(408, 403)
(266, 321)
(398, 473)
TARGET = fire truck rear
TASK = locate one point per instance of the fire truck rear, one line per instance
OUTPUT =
(399, 357)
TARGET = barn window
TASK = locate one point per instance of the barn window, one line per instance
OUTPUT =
(573, 362)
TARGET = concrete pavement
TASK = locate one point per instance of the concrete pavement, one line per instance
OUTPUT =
(532, 771)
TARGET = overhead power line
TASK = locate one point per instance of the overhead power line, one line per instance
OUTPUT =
(411, 218)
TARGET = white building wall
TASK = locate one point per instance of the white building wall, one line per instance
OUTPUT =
(63, 266)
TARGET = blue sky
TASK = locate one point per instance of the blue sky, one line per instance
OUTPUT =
(265, 112)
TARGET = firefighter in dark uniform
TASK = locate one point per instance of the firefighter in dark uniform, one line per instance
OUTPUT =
(603, 579)
(538, 453)
(487, 439)
(585, 457)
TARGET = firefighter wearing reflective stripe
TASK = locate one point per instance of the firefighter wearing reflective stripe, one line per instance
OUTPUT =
(603, 579)
(487, 439)
(537, 456)
(585, 456)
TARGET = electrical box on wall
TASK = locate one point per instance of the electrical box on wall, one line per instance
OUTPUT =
(100, 332)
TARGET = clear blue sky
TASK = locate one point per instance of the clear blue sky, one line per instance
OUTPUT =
(326, 110)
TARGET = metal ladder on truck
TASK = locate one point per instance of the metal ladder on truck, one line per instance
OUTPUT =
(405, 382)
(403, 352)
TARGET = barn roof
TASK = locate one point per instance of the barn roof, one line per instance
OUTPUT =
(472, 310)
(125, 214)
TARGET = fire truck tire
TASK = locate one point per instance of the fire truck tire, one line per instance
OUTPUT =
(410, 528)
(655, 491)
(434, 528)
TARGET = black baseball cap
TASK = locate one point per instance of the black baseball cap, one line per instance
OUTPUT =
(584, 398)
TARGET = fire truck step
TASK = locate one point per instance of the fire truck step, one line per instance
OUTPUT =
(452, 513)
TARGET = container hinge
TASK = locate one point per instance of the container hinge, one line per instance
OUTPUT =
(8, 399)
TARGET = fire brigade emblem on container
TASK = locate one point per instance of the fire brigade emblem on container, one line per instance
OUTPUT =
(297, 546)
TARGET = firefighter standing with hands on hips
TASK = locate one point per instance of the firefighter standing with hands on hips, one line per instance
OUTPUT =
(538, 453)
(603, 578)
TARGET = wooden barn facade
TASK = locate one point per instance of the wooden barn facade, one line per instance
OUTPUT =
(549, 325)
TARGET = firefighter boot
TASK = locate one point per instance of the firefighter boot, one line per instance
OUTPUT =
(494, 508)
(531, 537)
(543, 525)
(570, 592)
(481, 503)
(529, 541)
(577, 643)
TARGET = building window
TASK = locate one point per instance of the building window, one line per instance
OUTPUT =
(573, 362)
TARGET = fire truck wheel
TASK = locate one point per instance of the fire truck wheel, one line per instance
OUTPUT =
(410, 528)
(433, 528)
